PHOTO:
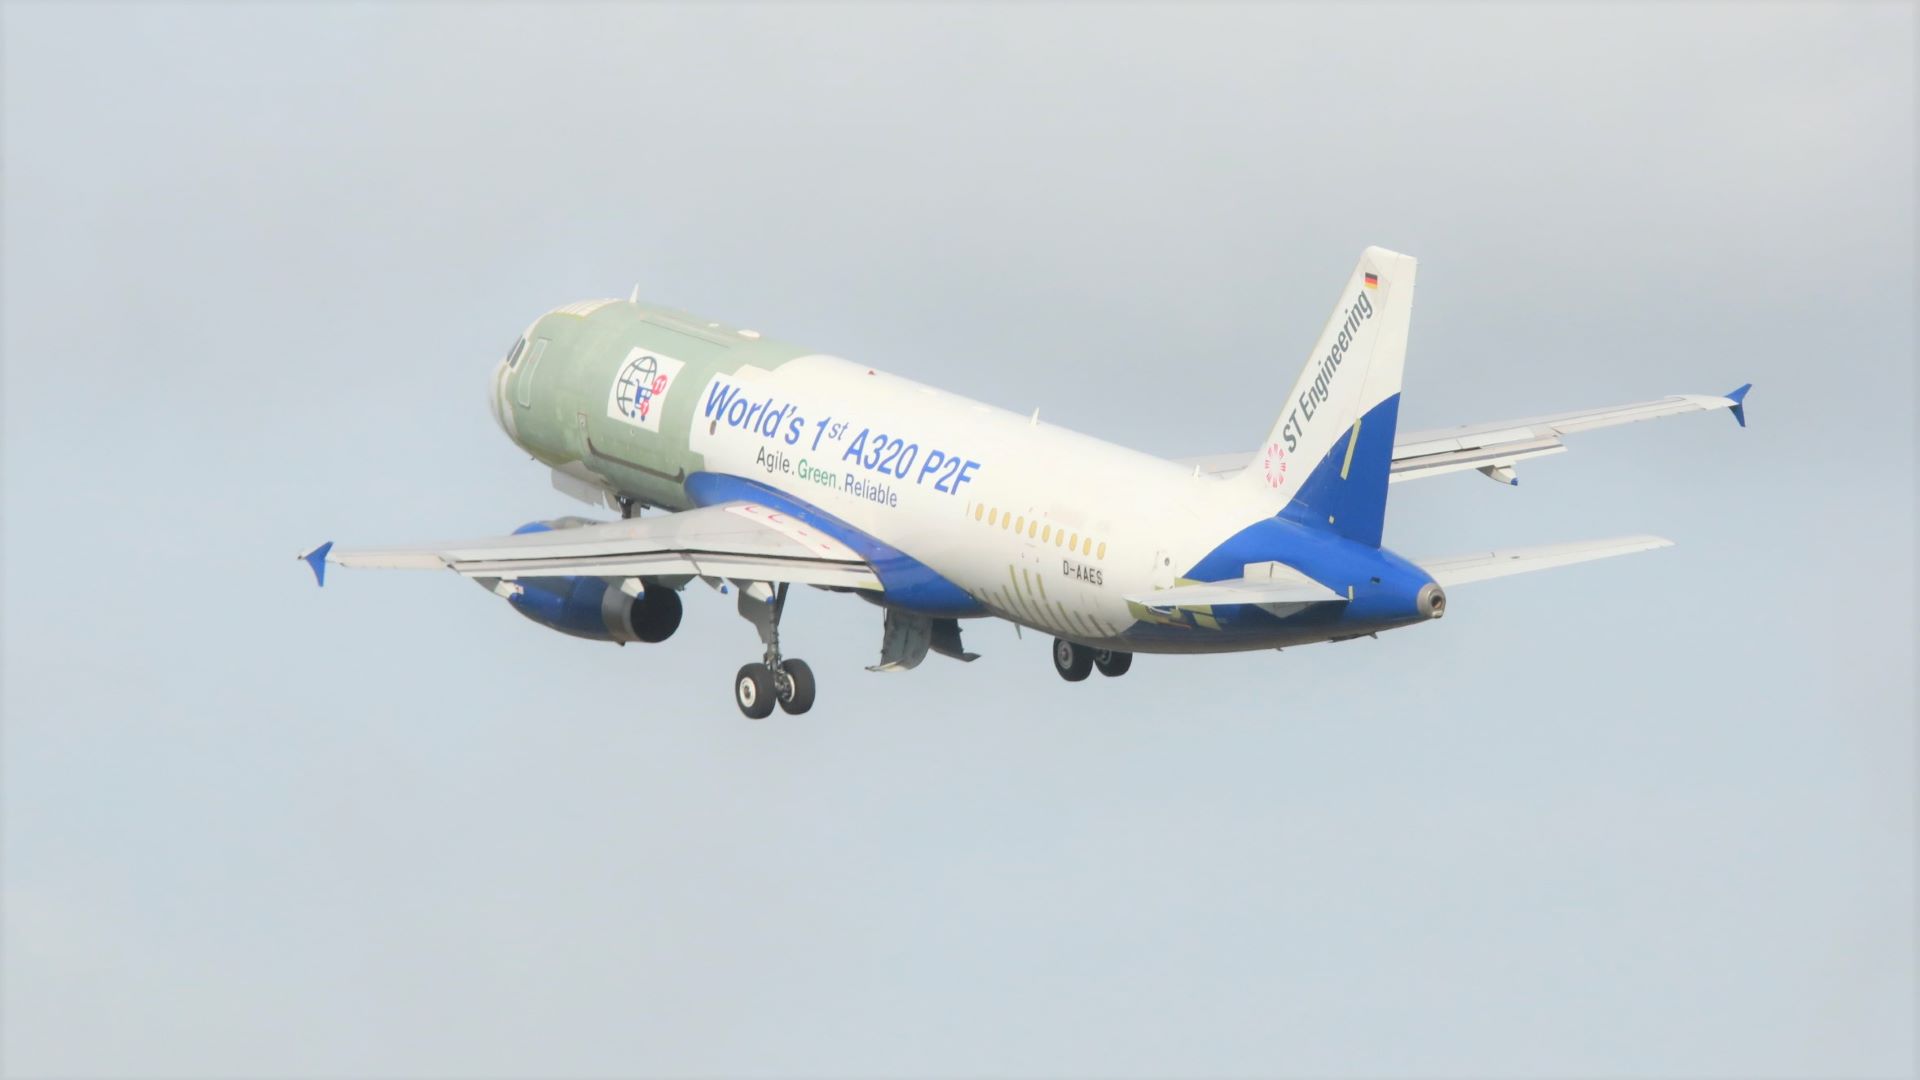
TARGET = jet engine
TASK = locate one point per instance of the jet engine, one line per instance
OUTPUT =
(590, 607)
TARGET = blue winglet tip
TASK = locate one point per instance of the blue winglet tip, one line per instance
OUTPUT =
(1739, 406)
(316, 560)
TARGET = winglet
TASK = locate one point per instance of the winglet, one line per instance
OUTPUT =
(317, 561)
(1739, 406)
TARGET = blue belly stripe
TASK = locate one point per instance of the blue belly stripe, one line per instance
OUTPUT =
(910, 584)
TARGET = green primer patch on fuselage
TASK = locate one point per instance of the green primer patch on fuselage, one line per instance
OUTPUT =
(578, 410)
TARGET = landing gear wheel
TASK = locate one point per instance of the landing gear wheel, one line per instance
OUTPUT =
(1111, 663)
(1073, 662)
(658, 614)
(753, 691)
(793, 686)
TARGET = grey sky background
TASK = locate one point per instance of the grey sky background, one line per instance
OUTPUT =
(1647, 817)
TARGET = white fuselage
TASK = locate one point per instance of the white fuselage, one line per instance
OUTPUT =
(1042, 526)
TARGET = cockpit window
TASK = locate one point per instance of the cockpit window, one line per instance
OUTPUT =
(513, 354)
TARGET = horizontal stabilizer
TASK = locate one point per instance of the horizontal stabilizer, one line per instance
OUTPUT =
(1240, 590)
(1464, 569)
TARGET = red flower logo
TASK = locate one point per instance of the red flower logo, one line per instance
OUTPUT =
(1275, 463)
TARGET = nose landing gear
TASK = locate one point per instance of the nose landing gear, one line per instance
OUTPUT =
(788, 683)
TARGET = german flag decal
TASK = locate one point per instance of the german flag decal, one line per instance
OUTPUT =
(1373, 281)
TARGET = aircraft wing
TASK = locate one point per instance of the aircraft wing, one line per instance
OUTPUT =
(1494, 448)
(1480, 566)
(739, 540)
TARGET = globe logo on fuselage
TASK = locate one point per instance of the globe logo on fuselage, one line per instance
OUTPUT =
(640, 384)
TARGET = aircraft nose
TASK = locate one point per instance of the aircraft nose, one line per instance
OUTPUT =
(497, 397)
(502, 384)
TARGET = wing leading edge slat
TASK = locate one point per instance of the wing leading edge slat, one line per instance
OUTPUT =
(738, 540)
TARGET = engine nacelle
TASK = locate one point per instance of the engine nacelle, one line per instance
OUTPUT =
(588, 607)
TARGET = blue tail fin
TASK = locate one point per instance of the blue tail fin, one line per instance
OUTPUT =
(1347, 490)
(1327, 457)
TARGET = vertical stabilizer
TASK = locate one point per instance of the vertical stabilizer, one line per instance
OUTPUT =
(1325, 462)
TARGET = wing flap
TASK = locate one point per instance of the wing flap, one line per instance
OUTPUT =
(668, 564)
(1484, 565)
(1469, 436)
(1496, 446)
(1483, 458)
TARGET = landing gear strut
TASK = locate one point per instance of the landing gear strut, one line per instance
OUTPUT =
(774, 680)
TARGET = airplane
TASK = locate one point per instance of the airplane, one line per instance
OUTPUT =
(775, 466)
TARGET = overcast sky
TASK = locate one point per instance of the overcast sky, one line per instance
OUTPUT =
(1647, 817)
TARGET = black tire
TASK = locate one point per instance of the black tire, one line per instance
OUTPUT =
(657, 615)
(1112, 663)
(1073, 662)
(753, 691)
(793, 688)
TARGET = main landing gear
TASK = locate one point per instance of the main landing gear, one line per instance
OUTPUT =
(788, 683)
(1076, 662)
